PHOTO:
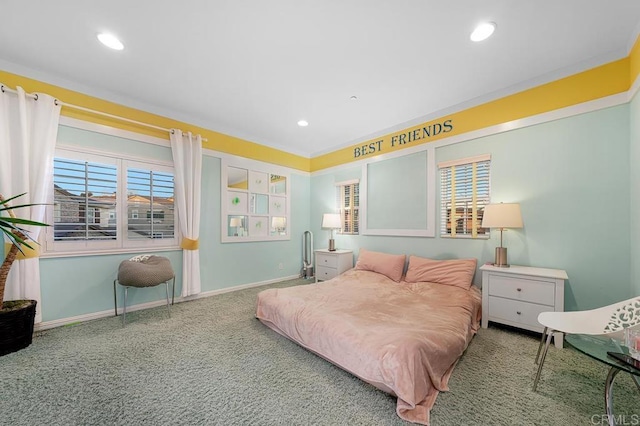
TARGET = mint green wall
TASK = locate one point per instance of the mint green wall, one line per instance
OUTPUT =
(231, 264)
(571, 177)
(634, 157)
(73, 286)
(383, 178)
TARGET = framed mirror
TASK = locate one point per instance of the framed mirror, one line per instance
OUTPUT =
(237, 202)
(237, 178)
(259, 204)
(236, 226)
(258, 182)
(255, 204)
(277, 184)
(278, 225)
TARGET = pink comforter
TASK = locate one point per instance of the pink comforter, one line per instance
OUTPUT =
(402, 338)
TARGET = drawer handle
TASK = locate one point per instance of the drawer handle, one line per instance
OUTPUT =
(518, 312)
(519, 289)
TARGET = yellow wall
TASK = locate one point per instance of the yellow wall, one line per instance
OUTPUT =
(215, 140)
(605, 80)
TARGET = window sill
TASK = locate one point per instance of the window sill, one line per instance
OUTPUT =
(465, 237)
(132, 250)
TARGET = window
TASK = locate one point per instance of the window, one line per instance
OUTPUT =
(464, 192)
(91, 192)
(151, 191)
(81, 189)
(348, 202)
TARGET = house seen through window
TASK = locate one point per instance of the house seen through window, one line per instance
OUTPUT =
(89, 207)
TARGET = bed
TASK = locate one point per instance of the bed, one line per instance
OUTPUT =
(401, 333)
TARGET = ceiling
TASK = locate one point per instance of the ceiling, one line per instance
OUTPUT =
(252, 68)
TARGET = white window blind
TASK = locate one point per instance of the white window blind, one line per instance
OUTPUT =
(464, 192)
(150, 192)
(105, 203)
(348, 202)
(84, 200)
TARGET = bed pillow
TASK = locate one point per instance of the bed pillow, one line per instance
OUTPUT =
(456, 272)
(390, 265)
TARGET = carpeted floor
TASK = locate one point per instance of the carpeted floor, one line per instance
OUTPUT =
(213, 363)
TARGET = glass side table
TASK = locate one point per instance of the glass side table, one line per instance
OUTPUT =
(597, 347)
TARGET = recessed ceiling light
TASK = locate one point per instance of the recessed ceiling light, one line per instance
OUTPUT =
(303, 123)
(483, 31)
(111, 41)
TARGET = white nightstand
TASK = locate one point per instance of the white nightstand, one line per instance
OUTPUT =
(516, 295)
(330, 264)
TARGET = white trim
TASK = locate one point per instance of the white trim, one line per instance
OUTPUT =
(239, 287)
(550, 77)
(94, 252)
(113, 131)
(430, 230)
(45, 325)
(110, 154)
(545, 117)
(381, 157)
(633, 89)
(466, 237)
(139, 137)
(468, 160)
(570, 111)
(347, 182)
(251, 163)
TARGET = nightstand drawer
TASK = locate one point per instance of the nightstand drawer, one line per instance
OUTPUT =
(328, 260)
(514, 311)
(526, 290)
(324, 273)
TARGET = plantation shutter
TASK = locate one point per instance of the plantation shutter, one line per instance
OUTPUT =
(348, 202)
(464, 192)
(84, 200)
(150, 204)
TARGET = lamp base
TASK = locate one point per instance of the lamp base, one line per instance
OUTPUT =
(501, 257)
(332, 245)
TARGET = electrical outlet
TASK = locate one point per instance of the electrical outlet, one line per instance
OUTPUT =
(280, 266)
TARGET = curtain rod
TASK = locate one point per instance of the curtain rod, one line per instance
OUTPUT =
(4, 88)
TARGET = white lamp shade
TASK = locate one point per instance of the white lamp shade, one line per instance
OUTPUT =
(331, 221)
(235, 221)
(278, 222)
(502, 215)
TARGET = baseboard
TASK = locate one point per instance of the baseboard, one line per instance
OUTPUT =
(45, 325)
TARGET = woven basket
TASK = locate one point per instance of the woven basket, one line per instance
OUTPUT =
(16, 328)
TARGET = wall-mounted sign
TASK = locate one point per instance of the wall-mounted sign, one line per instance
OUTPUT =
(398, 140)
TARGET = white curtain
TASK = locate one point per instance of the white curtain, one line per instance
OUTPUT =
(187, 161)
(28, 132)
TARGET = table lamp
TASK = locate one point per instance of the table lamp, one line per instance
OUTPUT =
(235, 222)
(331, 221)
(278, 223)
(502, 215)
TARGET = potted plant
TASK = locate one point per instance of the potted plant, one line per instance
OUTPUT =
(16, 316)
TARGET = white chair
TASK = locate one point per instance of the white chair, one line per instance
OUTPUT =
(608, 320)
